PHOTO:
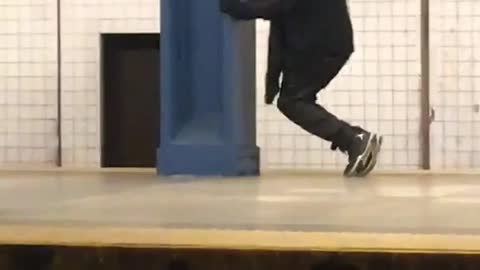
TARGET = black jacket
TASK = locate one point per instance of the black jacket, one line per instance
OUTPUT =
(255, 9)
(302, 33)
(316, 29)
(276, 59)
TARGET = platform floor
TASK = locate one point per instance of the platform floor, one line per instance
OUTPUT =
(404, 213)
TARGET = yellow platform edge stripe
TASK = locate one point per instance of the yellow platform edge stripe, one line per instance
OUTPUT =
(238, 240)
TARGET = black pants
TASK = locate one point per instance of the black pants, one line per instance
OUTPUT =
(298, 98)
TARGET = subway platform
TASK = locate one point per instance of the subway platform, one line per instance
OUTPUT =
(280, 212)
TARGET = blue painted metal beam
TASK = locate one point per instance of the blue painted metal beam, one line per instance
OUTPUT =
(208, 114)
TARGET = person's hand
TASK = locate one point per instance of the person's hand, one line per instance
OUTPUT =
(225, 6)
(237, 9)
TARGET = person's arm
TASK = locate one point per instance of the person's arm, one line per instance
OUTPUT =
(275, 61)
(255, 9)
(269, 9)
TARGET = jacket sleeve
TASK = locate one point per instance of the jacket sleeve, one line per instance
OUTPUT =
(275, 62)
(255, 9)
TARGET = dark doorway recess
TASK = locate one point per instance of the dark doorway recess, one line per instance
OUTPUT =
(130, 99)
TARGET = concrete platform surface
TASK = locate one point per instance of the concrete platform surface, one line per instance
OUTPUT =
(413, 213)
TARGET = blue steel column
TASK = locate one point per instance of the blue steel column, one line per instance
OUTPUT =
(207, 92)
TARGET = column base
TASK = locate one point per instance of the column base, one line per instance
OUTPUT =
(208, 160)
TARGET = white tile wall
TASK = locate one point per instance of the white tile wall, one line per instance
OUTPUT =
(82, 23)
(28, 78)
(378, 89)
(455, 75)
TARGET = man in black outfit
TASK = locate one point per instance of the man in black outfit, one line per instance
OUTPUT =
(310, 41)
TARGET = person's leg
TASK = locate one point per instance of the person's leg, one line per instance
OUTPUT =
(297, 102)
(298, 98)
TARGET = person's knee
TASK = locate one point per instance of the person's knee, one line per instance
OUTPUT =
(285, 104)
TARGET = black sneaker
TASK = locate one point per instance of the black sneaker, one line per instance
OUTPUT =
(372, 158)
(359, 151)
